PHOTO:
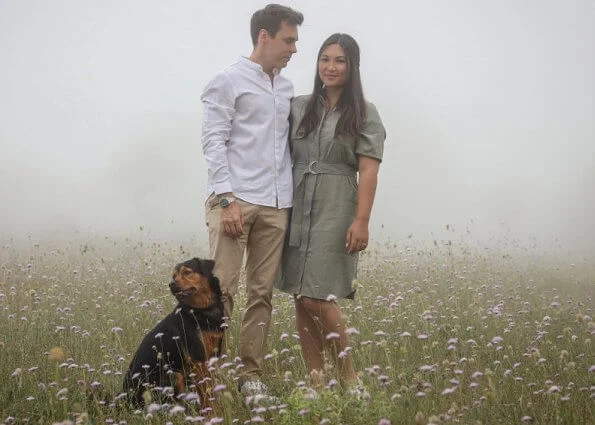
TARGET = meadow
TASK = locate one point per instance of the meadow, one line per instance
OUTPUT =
(450, 333)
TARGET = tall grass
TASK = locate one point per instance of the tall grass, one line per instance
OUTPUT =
(449, 334)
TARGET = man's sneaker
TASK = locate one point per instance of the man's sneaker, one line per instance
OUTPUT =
(358, 391)
(257, 393)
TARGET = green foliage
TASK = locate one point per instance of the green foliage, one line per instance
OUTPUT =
(441, 335)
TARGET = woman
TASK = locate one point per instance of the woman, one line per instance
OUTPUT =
(335, 134)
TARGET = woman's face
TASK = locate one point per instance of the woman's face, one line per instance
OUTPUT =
(332, 66)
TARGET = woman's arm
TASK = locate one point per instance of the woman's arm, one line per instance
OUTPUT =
(357, 234)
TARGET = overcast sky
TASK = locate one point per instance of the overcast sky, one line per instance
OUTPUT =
(489, 108)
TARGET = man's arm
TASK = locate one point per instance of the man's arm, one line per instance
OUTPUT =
(219, 109)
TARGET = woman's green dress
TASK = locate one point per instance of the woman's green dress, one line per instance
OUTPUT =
(315, 261)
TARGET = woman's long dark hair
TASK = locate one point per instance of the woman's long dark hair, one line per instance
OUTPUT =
(352, 104)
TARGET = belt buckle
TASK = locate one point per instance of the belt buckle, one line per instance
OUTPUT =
(310, 167)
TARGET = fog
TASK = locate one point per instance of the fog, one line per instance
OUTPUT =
(489, 109)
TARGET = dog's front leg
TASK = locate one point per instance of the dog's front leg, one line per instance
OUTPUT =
(203, 383)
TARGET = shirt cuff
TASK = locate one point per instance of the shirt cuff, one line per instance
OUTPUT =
(223, 187)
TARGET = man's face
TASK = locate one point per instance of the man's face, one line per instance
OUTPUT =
(279, 49)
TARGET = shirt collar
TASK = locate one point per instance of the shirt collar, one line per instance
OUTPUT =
(255, 66)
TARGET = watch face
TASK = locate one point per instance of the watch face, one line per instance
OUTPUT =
(224, 203)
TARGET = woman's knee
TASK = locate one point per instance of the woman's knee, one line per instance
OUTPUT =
(311, 305)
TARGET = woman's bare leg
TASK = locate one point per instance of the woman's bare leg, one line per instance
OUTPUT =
(328, 318)
(312, 343)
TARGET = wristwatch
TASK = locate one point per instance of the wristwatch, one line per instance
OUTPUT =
(225, 201)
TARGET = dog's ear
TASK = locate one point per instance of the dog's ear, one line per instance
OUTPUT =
(193, 264)
(206, 267)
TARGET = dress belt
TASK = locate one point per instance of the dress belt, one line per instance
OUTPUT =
(304, 180)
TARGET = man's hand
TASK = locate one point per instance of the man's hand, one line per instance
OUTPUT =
(232, 220)
(357, 236)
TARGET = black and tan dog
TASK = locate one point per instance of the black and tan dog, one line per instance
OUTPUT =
(174, 355)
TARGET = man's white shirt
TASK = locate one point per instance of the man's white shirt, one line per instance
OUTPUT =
(245, 135)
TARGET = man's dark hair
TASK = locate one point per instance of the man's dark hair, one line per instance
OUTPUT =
(270, 19)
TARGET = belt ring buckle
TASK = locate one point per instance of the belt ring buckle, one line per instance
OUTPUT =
(310, 167)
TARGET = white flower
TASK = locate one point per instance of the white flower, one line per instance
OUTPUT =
(448, 391)
(332, 335)
(177, 409)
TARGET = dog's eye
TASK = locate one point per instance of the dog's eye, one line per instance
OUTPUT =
(186, 272)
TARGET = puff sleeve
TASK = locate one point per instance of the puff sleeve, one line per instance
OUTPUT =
(373, 135)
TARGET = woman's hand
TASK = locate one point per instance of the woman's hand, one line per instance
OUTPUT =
(357, 236)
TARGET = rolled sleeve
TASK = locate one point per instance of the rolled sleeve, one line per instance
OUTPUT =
(373, 135)
(218, 99)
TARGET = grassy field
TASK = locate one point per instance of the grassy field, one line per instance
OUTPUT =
(442, 335)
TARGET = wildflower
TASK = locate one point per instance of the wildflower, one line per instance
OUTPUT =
(332, 335)
(553, 389)
(191, 397)
(351, 331)
(56, 354)
(16, 372)
(448, 391)
(153, 408)
(384, 380)
(384, 421)
(219, 388)
(403, 334)
(526, 419)
(116, 329)
(422, 337)
(177, 409)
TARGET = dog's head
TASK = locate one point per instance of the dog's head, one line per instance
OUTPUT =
(193, 283)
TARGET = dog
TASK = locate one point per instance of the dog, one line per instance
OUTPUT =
(173, 358)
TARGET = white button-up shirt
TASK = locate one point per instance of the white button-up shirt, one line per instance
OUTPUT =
(245, 135)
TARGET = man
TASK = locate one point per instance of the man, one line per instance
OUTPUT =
(245, 143)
